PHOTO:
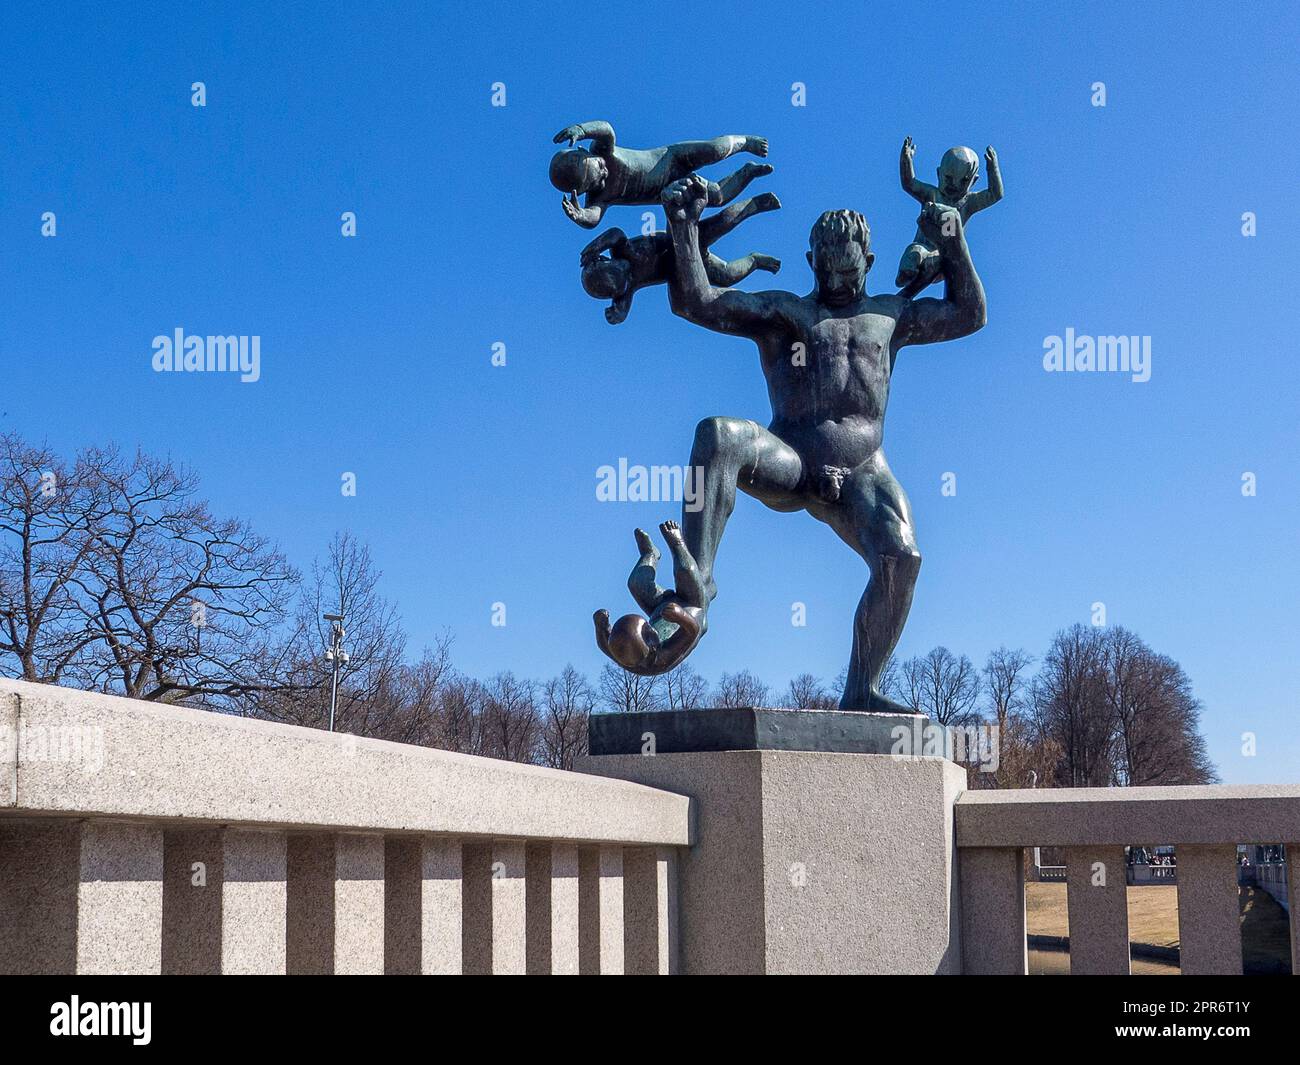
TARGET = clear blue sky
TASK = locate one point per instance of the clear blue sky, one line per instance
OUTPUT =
(477, 484)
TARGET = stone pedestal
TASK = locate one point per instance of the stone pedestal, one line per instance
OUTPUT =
(811, 861)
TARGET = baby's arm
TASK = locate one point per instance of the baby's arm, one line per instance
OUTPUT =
(918, 190)
(601, 618)
(601, 135)
(588, 217)
(609, 241)
(616, 313)
(680, 642)
(977, 201)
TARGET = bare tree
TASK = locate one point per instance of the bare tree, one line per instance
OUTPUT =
(1005, 684)
(741, 689)
(457, 723)
(1023, 755)
(510, 722)
(626, 692)
(346, 581)
(408, 706)
(48, 518)
(1155, 716)
(806, 692)
(684, 689)
(567, 703)
(941, 685)
(1069, 708)
(889, 685)
(180, 602)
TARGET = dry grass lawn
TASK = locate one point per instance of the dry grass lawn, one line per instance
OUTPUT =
(1153, 921)
(1152, 913)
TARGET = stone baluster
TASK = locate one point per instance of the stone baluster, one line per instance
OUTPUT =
(650, 910)
(1209, 925)
(1097, 897)
(992, 882)
(600, 910)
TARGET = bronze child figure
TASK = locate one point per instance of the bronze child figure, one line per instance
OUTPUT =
(611, 175)
(957, 172)
(676, 616)
(637, 262)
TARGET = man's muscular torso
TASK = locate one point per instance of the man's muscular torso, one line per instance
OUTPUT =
(828, 403)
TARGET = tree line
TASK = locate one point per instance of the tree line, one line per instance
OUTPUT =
(116, 576)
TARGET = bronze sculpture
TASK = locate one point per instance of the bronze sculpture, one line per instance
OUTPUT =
(827, 358)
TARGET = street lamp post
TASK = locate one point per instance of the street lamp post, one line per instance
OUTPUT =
(337, 657)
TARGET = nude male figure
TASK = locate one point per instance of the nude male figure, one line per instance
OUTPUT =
(827, 358)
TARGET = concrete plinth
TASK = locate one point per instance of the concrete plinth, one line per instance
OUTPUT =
(753, 728)
(811, 862)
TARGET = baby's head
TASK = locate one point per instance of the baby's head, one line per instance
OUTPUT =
(577, 170)
(957, 172)
(606, 279)
(632, 642)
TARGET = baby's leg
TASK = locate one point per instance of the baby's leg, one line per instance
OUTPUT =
(686, 574)
(920, 275)
(691, 155)
(929, 268)
(730, 187)
(641, 581)
(720, 223)
(909, 267)
(725, 274)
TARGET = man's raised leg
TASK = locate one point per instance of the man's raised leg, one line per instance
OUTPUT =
(731, 452)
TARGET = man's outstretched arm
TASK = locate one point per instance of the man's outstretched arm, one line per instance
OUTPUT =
(690, 293)
(962, 310)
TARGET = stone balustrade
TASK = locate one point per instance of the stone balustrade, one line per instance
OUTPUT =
(140, 838)
(1205, 824)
